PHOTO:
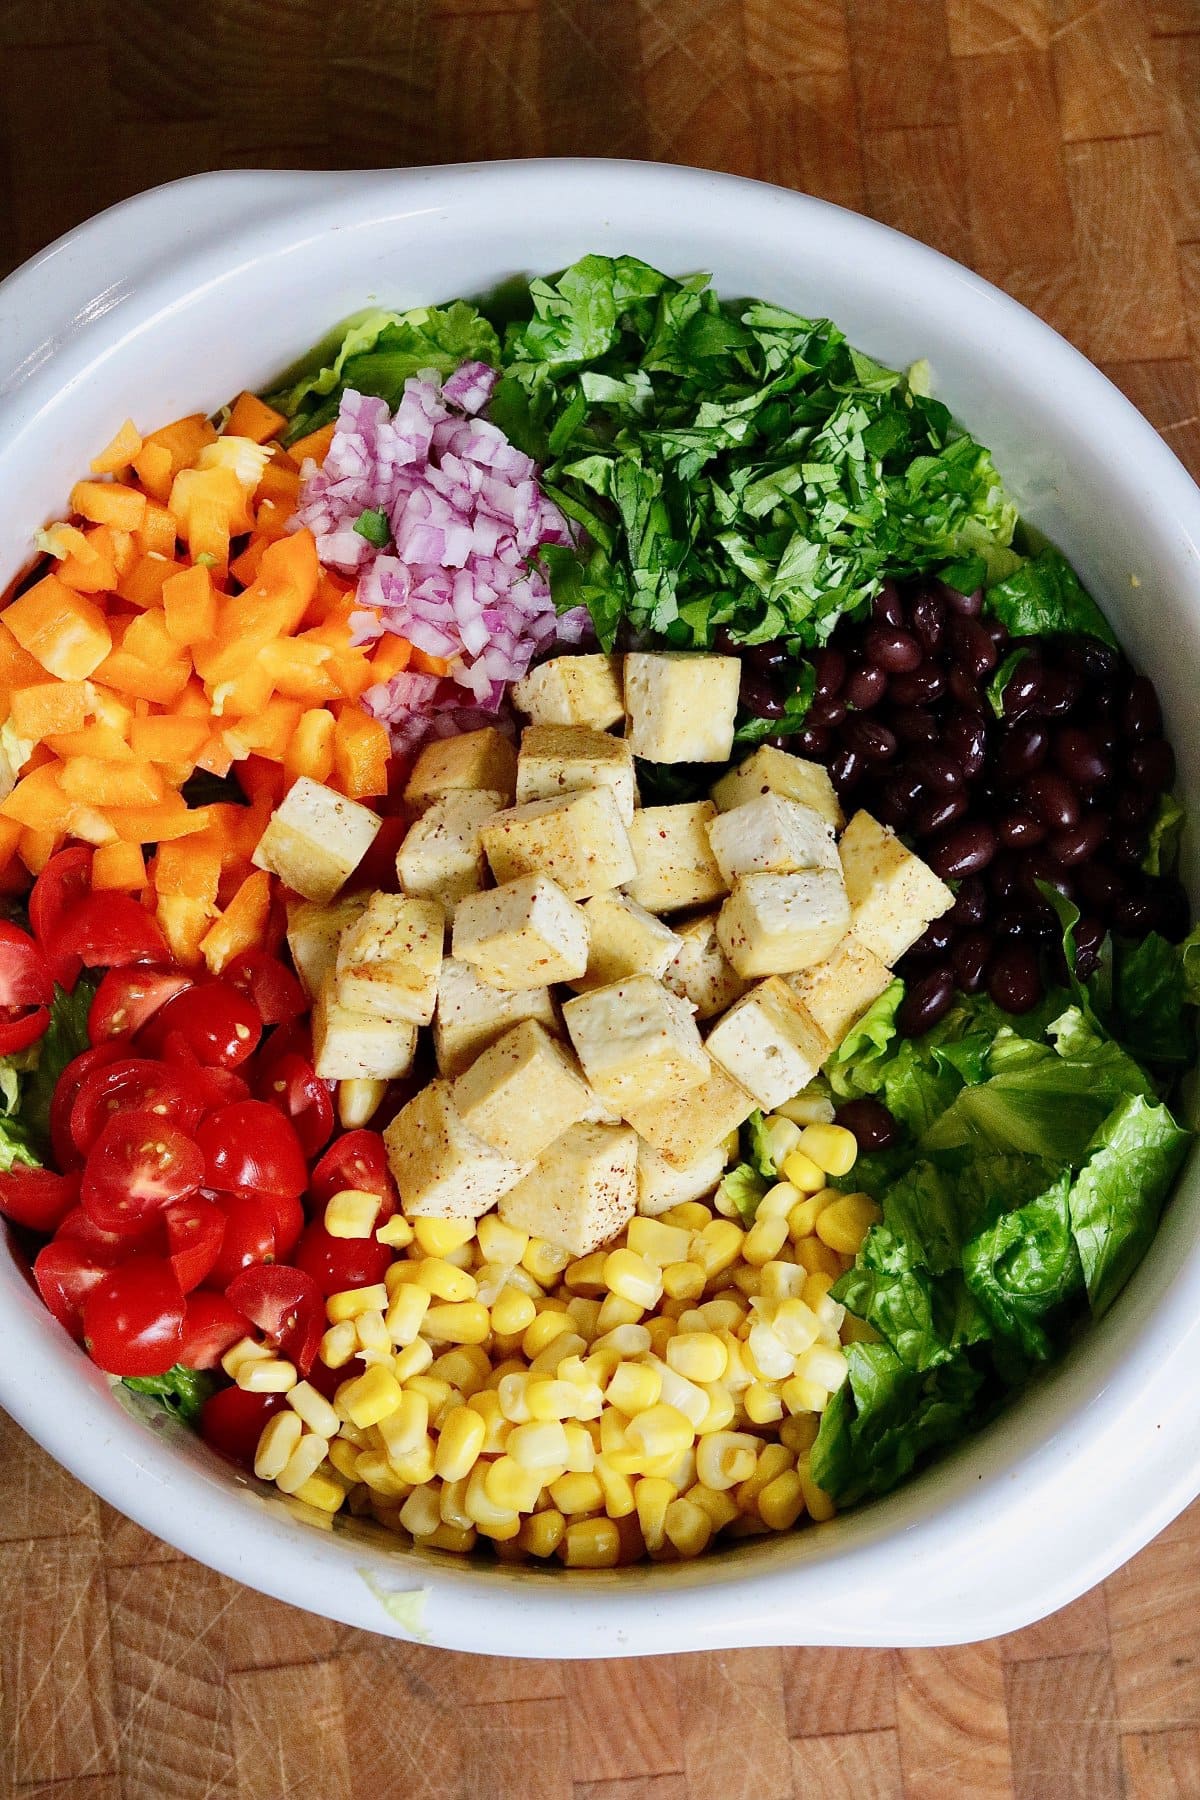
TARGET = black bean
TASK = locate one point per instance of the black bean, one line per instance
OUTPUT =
(1014, 923)
(1023, 749)
(997, 630)
(873, 1126)
(964, 850)
(1080, 757)
(964, 690)
(1135, 915)
(912, 725)
(830, 711)
(935, 940)
(928, 999)
(1040, 866)
(937, 811)
(969, 605)
(1014, 979)
(887, 607)
(970, 959)
(1089, 935)
(1134, 805)
(864, 687)
(1004, 875)
(769, 659)
(759, 697)
(920, 687)
(1100, 887)
(895, 651)
(1059, 693)
(780, 740)
(970, 903)
(1018, 831)
(1100, 661)
(723, 641)
(965, 737)
(1052, 799)
(1141, 715)
(936, 769)
(813, 740)
(927, 616)
(972, 647)
(829, 670)
(1081, 842)
(873, 741)
(1024, 686)
(1151, 765)
(1127, 846)
(845, 767)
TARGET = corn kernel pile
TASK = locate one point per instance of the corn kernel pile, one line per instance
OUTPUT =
(644, 1400)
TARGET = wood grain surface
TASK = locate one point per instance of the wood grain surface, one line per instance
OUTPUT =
(1055, 146)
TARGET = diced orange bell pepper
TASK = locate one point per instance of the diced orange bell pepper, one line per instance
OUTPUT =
(100, 741)
(189, 866)
(209, 507)
(266, 733)
(300, 670)
(109, 503)
(168, 738)
(65, 631)
(147, 636)
(143, 584)
(216, 757)
(422, 663)
(261, 780)
(184, 439)
(171, 818)
(242, 923)
(119, 867)
(35, 848)
(92, 825)
(244, 567)
(289, 571)
(272, 519)
(311, 749)
(315, 445)
(253, 418)
(38, 801)
(190, 606)
(17, 667)
(242, 693)
(352, 672)
(157, 530)
(334, 599)
(184, 923)
(131, 675)
(10, 838)
(48, 707)
(96, 571)
(278, 486)
(113, 710)
(98, 783)
(155, 469)
(391, 657)
(67, 540)
(119, 452)
(361, 748)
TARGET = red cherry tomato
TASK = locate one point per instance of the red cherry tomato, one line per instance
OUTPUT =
(301, 1096)
(139, 1164)
(66, 1270)
(232, 1421)
(37, 1197)
(358, 1159)
(133, 1319)
(108, 931)
(216, 1022)
(26, 989)
(149, 1235)
(210, 1327)
(337, 1263)
(248, 1238)
(65, 880)
(251, 1145)
(269, 984)
(195, 1228)
(288, 1215)
(126, 998)
(63, 1099)
(287, 1306)
(131, 1083)
(213, 1087)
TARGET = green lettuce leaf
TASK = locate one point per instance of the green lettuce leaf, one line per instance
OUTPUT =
(745, 1187)
(1025, 1267)
(1116, 1198)
(1045, 595)
(1166, 827)
(66, 1037)
(887, 1417)
(181, 1391)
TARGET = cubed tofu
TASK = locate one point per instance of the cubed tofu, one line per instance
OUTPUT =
(522, 1093)
(637, 1042)
(768, 770)
(771, 836)
(773, 924)
(522, 935)
(443, 1169)
(769, 1043)
(316, 839)
(681, 706)
(477, 759)
(701, 973)
(675, 863)
(572, 690)
(580, 841)
(838, 991)
(689, 1127)
(471, 1014)
(356, 1046)
(388, 958)
(661, 1185)
(624, 939)
(893, 895)
(565, 759)
(442, 857)
(581, 1192)
(313, 932)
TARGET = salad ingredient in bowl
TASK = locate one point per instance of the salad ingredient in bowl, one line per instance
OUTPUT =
(479, 1037)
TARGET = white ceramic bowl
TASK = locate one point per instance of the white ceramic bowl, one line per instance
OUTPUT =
(178, 298)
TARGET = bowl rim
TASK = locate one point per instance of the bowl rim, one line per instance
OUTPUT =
(969, 1571)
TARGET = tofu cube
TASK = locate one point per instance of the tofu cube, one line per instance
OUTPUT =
(696, 1123)
(471, 1014)
(477, 759)
(637, 1042)
(442, 857)
(579, 840)
(681, 706)
(773, 924)
(768, 770)
(522, 935)
(624, 939)
(565, 759)
(581, 1192)
(313, 932)
(315, 839)
(701, 973)
(769, 1043)
(675, 863)
(893, 895)
(572, 690)
(838, 991)
(443, 1169)
(771, 836)
(522, 1093)
(661, 1186)
(357, 1046)
(388, 958)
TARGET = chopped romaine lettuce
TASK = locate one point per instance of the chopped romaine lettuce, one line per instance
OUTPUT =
(182, 1391)
(1045, 595)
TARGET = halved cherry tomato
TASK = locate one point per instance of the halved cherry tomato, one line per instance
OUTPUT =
(126, 998)
(129, 1083)
(195, 1228)
(133, 1319)
(288, 1214)
(67, 1269)
(301, 1096)
(65, 1089)
(65, 880)
(210, 1327)
(248, 1238)
(139, 1164)
(250, 1145)
(217, 1023)
(287, 1306)
(150, 1235)
(357, 1159)
(213, 1086)
(337, 1263)
(26, 989)
(108, 931)
(270, 984)
(294, 1038)
(231, 1421)
(37, 1197)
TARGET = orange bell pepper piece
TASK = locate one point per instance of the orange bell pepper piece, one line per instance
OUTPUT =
(17, 667)
(170, 818)
(190, 605)
(38, 801)
(119, 867)
(109, 503)
(48, 707)
(315, 445)
(119, 452)
(157, 530)
(101, 741)
(168, 738)
(184, 923)
(241, 925)
(65, 631)
(35, 848)
(98, 783)
(155, 469)
(266, 733)
(190, 866)
(252, 418)
(361, 748)
(311, 749)
(143, 584)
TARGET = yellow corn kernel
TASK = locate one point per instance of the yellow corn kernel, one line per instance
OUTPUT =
(683, 1280)
(350, 1302)
(591, 1544)
(780, 1135)
(817, 1501)
(512, 1312)
(543, 1260)
(617, 1489)
(721, 1507)
(773, 1459)
(500, 1242)
(452, 1503)
(816, 1289)
(266, 1375)
(339, 1344)
(311, 1406)
(623, 1341)
(563, 1348)
(721, 1409)
(372, 1334)
(542, 1444)
(421, 1512)
(496, 1427)
(652, 1496)
(398, 1275)
(438, 1237)
(777, 1202)
(358, 1100)
(802, 1220)
(798, 1432)
(343, 1456)
(322, 1490)
(395, 1232)
(795, 1325)
(577, 1493)
(782, 1501)
(600, 1365)
(764, 1240)
(371, 1397)
(304, 1462)
(404, 1429)
(717, 1247)
(658, 1243)
(766, 1355)
(687, 1397)
(460, 1444)
(512, 1487)
(585, 1315)
(406, 1313)
(466, 1368)
(352, 1213)
(512, 1394)
(433, 1391)
(634, 1388)
(498, 1522)
(415, 1466)
(763, 1405)
(412, 1360)
(688, 1527)
(614, 1311)
(816, 1258)
(726, 1459)
(457, 1322)
(443, 1279)
(632, 1278)
(373, 1468)
(586, 1274)
(246, 1350)
(549, 1399)
(779, 1280)
(824, 1364)
(542, 1332)
(689, 1215)
(845, 1224)
(803, 1173)
(280, 1436)
(698, 1355)
(542, 1533)
(831, 1147)
(581, 1451)
(660, 1431)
